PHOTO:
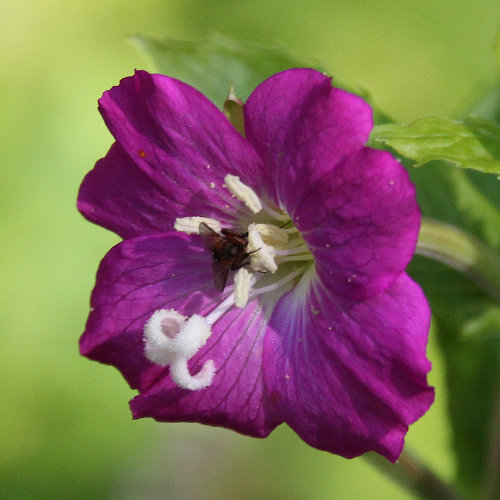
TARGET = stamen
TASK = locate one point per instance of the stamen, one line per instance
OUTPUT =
(292, 251)
(281, 216)
(268, 245)
(172, 339)
(190, 225)
(242, 284)
(271, 234)
(220, 310)
(243, 192)
(278, 284)
(290, 258)
(262, 258)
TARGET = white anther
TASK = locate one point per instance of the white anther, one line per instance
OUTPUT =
(172, 339)
(243, 192)
(242, 283)
(191, 225)
(262, 256)
(271, 234)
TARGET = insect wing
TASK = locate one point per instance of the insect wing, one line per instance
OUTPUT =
(221, 271)
(208, 235)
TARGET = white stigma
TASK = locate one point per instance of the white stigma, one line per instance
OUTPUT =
(172, 340)
(272, 235)
(243, 192)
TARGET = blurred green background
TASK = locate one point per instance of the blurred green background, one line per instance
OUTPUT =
(65, 427)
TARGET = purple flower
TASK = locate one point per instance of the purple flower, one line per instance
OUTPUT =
(322, 328)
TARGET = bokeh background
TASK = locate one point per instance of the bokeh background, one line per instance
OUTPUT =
(65, 427)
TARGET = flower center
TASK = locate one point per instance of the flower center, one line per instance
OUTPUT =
(270, 253)
(272, 242)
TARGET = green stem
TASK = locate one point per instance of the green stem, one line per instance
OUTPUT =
(409, 472)
(462, 251)
(492, 481)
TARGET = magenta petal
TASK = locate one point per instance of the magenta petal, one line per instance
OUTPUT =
(182, 142)
(118, 195)
(361, 222)
(136, 278)
(237, 398)
(349, 377)
(296, 115)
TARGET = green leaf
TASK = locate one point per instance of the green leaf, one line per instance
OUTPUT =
(473, 143)
(462, 251)
(458, 197)
(484, 324)
(488, 106)
(487, 133)
(213, 65)
(467, 320)
(468, 331)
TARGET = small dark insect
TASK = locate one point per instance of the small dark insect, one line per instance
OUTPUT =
(229, 250)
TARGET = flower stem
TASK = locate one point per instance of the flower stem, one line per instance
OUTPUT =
(492, 481)
(415, 476)
(462, 251)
